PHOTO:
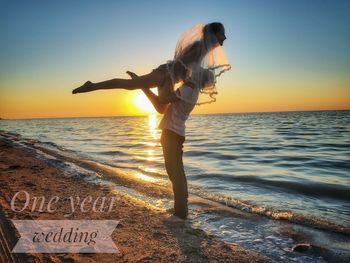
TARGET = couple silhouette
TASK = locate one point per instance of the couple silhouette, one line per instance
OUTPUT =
(199, 60)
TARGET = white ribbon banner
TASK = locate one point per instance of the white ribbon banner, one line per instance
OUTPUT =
(65, 236)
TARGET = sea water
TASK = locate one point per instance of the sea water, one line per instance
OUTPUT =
(271, 164)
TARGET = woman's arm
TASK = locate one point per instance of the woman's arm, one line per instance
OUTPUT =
(154, 99)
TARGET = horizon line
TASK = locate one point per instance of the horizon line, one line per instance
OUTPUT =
(144, 115)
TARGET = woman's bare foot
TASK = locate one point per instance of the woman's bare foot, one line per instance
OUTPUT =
(131, 74)
(88, 86)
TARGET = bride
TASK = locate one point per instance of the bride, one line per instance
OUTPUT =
(201, 45)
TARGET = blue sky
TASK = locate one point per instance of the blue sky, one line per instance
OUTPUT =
(69, 42)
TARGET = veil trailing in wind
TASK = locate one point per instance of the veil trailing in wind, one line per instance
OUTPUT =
(199, 52)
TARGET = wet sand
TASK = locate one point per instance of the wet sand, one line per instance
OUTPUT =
(142, 235)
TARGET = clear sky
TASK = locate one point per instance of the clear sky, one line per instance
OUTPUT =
(285, 55)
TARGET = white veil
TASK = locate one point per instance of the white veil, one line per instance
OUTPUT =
(199, 52)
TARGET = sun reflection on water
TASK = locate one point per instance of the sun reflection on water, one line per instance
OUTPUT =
(150, 155)
(146, 178)
(152, 125)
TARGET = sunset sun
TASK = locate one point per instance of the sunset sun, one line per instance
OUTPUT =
(143, 104)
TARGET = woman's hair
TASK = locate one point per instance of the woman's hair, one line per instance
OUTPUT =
(198, 48)
(202, 78)
(194, 43)
(209, 35)
(214, 27)
(180, 72)
(208, 78)
(194, 52)
(211, 29)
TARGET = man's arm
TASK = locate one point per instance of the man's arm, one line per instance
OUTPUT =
(154, 99)
(168, 97)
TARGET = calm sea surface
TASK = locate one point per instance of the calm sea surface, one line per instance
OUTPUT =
(297, 161)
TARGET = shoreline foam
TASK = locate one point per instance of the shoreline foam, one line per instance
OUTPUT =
(143, 234)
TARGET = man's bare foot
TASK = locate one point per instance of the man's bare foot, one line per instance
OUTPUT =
(170, 210)
(88, 86)
(175, 219)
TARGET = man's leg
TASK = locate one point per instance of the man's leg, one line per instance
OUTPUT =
(172, 149)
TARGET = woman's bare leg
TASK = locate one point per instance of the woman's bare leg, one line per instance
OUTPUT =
(153, 79)
(153, 98)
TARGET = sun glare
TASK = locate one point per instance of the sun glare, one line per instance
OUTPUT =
(143, 104)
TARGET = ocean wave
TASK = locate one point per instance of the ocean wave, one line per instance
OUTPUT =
(214, 155)
(275, 214)
(111, 152)
(262, 148)
(315, 189)
(51, 144)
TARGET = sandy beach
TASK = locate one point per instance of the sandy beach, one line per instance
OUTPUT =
(142, 235)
